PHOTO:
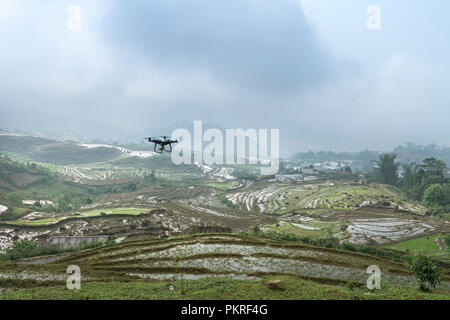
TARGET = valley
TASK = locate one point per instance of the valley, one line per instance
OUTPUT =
(225, 224)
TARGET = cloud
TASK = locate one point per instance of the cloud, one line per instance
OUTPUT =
(140, 68)
(256, 44)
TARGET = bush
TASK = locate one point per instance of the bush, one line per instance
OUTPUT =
(26, 248)
(426, 271)
(348, 246)
(436, 195)
(256, 230)
(370, 250)
(327, 242)
(224, 200)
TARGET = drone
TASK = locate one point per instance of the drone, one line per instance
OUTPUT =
(162, 141)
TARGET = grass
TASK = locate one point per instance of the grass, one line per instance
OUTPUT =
(26, 249)
(91, 213)
(223, 185)
(217, 288)
(341, 196)
(97, 212)
(35, 222)
(53, 191)
(288, 228)
(424, 244)
(322, 228)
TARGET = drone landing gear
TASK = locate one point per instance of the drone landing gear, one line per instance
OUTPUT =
(162, 148)
(159, 150)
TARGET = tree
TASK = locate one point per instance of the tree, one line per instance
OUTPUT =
(132, 186)
(417, 178)
(15, 199)
(386, 169)
(65, 203)
(426, 272)
(150, 179)
(436, 195)
(409, 175)
(434, 172)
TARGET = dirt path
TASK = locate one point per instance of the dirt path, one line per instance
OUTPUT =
(440, 242)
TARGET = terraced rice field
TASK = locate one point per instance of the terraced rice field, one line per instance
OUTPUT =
(345, 197)
(218, 255)
(385, 230)
(306, 227)
(111, 170)
(107, 172)
(359, 231)
(223, 174)
(229, 185)
(172, 193)
(91, 213)
(283, 198)
(258, 200)
(25, 159)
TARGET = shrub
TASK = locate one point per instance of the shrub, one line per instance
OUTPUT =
(436, 195)
(351, 285)
(348, 246)
(224, 200)
(26, 248)
(425, 270)
(256, 230)
(370, 250)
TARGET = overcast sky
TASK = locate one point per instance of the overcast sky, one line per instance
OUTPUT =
(311, 68)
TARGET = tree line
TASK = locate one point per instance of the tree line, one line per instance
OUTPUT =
(426, 181)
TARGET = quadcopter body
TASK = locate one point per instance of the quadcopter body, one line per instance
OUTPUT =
(162, 142)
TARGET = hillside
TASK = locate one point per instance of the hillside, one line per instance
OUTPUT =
(230, 229)
(15, 176)
(214, 266)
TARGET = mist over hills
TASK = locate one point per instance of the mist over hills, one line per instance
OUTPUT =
(309, 68)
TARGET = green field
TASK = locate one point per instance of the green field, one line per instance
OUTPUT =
(294, 288)
(304, 229)
(35, 222)
(425, 244)
(91, 213)
(341, 196)
(97, 212)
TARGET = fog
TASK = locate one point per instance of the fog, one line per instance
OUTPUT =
(311, 68)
